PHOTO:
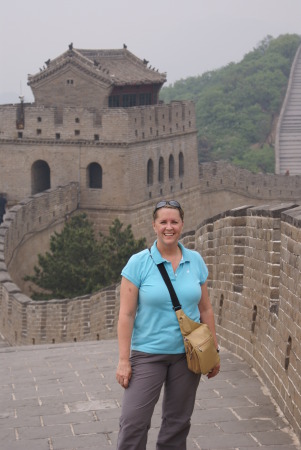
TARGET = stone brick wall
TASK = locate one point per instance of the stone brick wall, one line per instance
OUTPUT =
(254, 257)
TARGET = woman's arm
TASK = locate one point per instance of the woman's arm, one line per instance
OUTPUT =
(127, 313)
(207, 316)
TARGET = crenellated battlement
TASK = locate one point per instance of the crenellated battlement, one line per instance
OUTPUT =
(88, 125)
(221, 176)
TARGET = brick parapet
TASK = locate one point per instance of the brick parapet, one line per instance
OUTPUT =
(34, 214)
(220, 176)
(255, 290)
(103, 126)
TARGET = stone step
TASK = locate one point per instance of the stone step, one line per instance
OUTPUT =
(289, 137)
(289, 150)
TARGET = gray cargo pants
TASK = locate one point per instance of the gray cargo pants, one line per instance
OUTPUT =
(149, 373)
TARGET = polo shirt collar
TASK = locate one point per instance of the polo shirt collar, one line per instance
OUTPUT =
(158, 258)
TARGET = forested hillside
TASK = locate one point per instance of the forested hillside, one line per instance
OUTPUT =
(237, 106)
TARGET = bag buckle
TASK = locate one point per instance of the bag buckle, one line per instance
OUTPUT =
(176, 308)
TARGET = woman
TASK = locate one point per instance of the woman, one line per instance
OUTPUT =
(151, 349)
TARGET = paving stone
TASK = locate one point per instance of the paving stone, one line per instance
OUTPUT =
(32, 444)
(275, 437)
(82, 442)
(66, 418)
(256, 412)
(103, 426)
(16, 422)
(7, 434)
(217, 441)
(213, 415)
(221, 402)
(44, 432)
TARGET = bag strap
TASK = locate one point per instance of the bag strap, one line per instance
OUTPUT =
(173, 295)
(172, 292)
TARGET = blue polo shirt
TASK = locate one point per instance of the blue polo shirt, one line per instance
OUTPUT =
(156, 329)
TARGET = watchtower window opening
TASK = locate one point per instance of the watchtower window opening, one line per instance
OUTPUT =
(150, 172)
(114, 101)
(161, 170)
(145, 99)
(128, 100)
(94, 176)
(181, 165)
(40, 176)
(171, 167)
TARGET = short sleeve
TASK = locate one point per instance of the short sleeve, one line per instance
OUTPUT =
(133, 270)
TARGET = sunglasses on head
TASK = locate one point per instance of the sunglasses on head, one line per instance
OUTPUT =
(172, 203)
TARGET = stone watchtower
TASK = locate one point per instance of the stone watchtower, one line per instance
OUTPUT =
(97, 121)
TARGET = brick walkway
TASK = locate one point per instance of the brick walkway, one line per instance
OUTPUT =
(65, 397)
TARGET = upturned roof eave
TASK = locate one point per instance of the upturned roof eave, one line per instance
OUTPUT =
(78, 58)
(69, 57)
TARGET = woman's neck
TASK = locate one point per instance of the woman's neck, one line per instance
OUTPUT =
(172, 254)
(168, 251)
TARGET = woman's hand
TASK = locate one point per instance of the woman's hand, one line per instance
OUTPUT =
(214, 371)
(124, 373)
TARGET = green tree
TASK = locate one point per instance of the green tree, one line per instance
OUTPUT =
(116, 248)
(78, 264)
(259, 159)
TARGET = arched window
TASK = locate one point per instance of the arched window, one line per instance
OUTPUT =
(40, 176)
(150, 172)
(161, 170)
(181, 164)
(94, 176)
(171, 167)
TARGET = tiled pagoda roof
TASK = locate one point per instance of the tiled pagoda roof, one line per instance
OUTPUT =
(115, 67)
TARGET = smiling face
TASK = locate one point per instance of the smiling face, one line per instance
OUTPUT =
(168, 227)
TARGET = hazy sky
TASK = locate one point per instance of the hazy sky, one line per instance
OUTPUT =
(181, 37)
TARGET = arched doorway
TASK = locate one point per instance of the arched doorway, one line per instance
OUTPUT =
(94, 176)
(40, 177)
(150, 172)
